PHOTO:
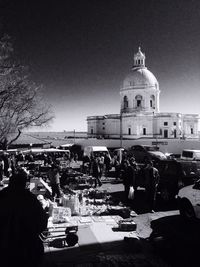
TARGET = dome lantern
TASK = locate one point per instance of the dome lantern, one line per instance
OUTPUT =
(139, 59)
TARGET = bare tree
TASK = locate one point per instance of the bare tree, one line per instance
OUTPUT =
(21, 102)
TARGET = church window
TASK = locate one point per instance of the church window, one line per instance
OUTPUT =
(125, 102)
(174, 123)
(138, 61)
(192, 131)
(138, 100)
(92, 131)
(138, 103)
(103, 128)
(103, 123)
(144, 131)
(129, 131)
(175, 133)
(165, 123)
(152, 101)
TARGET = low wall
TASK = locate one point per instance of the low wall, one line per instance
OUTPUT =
(165, 145)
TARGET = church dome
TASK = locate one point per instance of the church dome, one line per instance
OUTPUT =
(140, 77)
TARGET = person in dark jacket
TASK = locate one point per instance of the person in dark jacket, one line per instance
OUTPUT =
(96, 172)
(22, 219)
(129, 177)
(107, 162)
(151, 183)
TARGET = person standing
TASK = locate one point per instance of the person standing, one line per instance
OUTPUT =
(101, 163)
(54, 177)
(22, 220)
(86, 165)
(129, 178)
(7, 164)
(151, 183)
(96, 171)
(107, 162)
(117, 166)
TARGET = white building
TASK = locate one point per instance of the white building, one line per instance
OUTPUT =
(139, 111)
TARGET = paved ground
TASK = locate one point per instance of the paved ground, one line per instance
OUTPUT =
(164, 236)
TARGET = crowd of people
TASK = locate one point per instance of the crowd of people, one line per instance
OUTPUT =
(129, 171)
(98, 165)
(23, 214)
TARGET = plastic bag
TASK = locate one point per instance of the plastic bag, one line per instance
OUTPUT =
(131, 193)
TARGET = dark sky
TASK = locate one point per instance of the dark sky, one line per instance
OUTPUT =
(82, 50)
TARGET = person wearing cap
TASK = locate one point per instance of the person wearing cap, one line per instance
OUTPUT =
(22, 220)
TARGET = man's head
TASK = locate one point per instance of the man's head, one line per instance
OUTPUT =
(19, 179)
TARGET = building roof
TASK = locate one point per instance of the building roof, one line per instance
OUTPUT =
(26, 139)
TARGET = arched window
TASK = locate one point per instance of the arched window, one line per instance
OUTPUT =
(125, 101)
(152, 101)
(138, 99)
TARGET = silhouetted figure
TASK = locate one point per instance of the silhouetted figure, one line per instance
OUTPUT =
(151, 183)
(86, 165)
(96, 172)
(22, 219)
(107, 162)
(129, 178)
(7, 164)
(117, 166)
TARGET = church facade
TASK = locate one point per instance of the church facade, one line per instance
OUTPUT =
(139, 115)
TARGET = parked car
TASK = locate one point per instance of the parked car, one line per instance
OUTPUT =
(176, 174)
(143, 153)
(189, 201)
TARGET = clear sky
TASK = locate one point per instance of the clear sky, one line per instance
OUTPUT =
(82, 50)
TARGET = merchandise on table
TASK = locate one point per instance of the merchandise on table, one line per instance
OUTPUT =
(61, 214)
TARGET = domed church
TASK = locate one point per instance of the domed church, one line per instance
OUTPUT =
(139, 111)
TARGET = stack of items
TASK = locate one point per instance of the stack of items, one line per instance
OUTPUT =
(71, 202)
(61, 214)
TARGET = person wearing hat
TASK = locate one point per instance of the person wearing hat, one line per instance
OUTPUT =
(22, 220)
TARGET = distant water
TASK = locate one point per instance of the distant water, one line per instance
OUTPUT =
(58, 135)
